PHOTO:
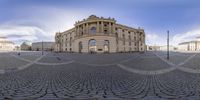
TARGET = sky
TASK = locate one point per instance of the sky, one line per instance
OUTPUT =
(39, 20)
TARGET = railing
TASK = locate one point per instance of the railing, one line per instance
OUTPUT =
(97, 34)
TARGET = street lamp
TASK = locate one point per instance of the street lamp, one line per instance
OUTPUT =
(168, 45)
(42, 48)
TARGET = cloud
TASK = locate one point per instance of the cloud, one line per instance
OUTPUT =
(152, 36)
(155, 39)
(41, 24)
(188, 36)
(17, 33)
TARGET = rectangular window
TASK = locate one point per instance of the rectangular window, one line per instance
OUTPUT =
(105, 31)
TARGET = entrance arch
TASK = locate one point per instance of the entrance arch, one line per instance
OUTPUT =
(106, 46)
(80, 46)
(92, 46)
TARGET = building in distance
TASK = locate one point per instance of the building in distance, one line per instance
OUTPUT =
(190, 45)
(6, 45)
(26, 46)
(46, 46)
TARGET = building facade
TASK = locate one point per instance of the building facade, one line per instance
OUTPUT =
(193, 45)
(46, 46)
(171, 48)
(26, 46)
(189, 46)
(6, 45)
(98, 34)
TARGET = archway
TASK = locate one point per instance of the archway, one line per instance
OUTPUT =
(92, 46)
(80, 46)
(106, 46)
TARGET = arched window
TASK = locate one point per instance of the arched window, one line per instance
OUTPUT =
(116, 35)
(116, 38)
(80, 47)
(129, 37)
(93, 30)
(92, 45)
(106, 46)
(123, 36)
(123, 39)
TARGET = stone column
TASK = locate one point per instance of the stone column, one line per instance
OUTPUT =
(64, 42)
(102, 27)
(97, 27)
(75, 31)
(78, 31)
(87, 32)
(113, 28)
(109, 28)
(83, 29)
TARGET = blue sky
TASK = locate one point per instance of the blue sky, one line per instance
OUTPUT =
(37, 20)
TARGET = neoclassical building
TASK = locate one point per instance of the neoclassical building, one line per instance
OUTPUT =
(98, 34)
(190, 45)
(6, 45)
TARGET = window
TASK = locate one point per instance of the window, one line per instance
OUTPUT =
(70, 41)
(129, 43)
(123, 39)
(106, 42)
(106, 46)
(116, 38)
(66, 42)
(105, 31)
(116, 35)
(80, 47)
(93, 30)
(123, 36)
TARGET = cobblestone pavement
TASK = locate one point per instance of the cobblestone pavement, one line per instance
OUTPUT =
(128, 76)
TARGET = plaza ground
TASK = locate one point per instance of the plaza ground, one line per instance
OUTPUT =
(119, 76)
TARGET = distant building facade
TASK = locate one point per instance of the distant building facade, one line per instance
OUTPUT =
(161, 48)
(26, 46)
(153, 48)
(190, 45)
(6, 45)
(98, 34)
(46, 46)
(171, 48)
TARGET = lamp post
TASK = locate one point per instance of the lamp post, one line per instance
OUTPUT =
(42, 48)
(168, 45)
